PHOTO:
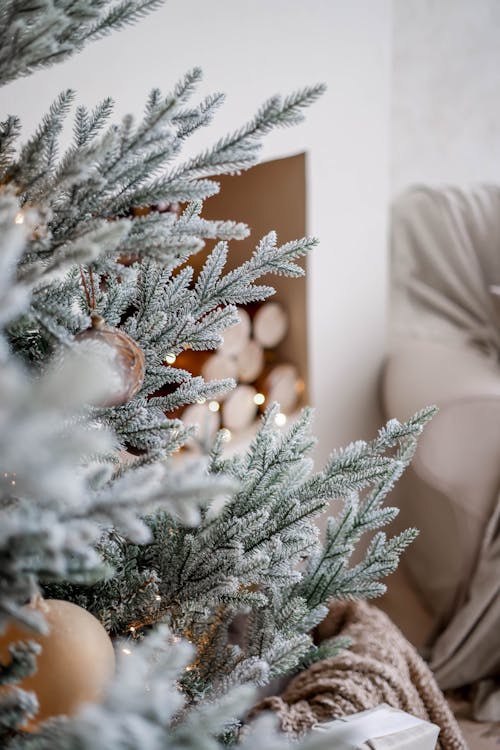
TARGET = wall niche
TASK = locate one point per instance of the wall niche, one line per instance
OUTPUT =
(270, 196)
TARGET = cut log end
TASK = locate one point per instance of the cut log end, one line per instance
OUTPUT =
(236, 337)
(239, 409)
(270, 324)
(250, 362)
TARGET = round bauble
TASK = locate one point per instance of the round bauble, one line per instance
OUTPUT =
(128, 358)
(76, 663)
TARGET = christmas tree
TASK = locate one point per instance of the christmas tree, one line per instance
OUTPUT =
(96, 299)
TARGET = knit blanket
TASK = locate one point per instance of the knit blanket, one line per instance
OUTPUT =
(380, 667)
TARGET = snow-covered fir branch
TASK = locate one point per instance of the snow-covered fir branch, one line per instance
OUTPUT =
(79, 211)
(249, 557)
(53, 509)
(109, 171)
(38, 34)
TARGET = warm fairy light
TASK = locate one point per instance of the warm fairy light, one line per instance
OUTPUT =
(13, 481)
(126, 651)
(300, 386)
(226, 435)
(158, 598)
(259, 399)
(132, 629)
(280, 419)
(19, 218)
(201, 400)
(170, 358)
(214, 406)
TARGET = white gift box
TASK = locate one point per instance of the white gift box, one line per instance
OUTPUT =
(380, 728)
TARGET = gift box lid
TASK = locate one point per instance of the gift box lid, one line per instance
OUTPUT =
(381, 728)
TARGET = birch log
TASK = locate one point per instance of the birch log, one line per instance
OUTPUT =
(236, 337)
(270, 324)
(208, 421)
(250, 362)
(283, 384)
(219, 366)
(239, 409)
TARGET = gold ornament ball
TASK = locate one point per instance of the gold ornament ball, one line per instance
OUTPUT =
(76, 663)
(129, 358)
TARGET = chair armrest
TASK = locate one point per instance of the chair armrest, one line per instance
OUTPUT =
(459, 451)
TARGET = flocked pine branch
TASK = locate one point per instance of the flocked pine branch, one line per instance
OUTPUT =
(53, 510)
(78, 210)
(248, 557)
(34, 35)
(106, 173)
(174, 314)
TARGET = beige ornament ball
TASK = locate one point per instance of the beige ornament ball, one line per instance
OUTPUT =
(128, 356)
(76, 663)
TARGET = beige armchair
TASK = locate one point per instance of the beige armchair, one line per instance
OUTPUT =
(445, 349)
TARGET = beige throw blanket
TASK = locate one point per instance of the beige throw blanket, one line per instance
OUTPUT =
(380, 667)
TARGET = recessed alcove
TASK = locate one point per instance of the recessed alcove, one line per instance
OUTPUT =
(271, 195)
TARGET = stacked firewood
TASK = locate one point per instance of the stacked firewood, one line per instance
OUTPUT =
(248, 355)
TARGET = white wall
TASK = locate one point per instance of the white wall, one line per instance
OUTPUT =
(446, 95)
(251, 50)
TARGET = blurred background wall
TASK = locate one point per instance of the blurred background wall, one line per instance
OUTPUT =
(446, 86)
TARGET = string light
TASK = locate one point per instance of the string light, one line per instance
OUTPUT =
(170, 358)
(132, 629)
(19, 219)
(8, 475)
(280, 419)
(259, 399)
(226, 435)
(214, 406)
(158, 598)
(126, 651)
(300, 386)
